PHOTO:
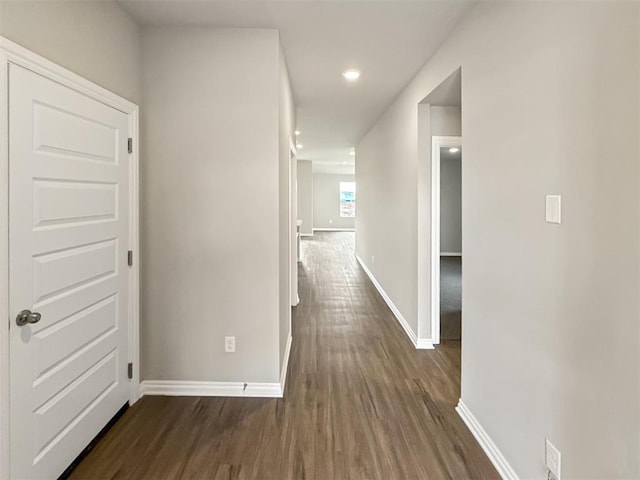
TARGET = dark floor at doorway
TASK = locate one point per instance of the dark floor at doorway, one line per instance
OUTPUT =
(450, 298)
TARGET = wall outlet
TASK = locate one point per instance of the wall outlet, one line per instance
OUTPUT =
(553, 460)
(330, 221)
(229, 344)
(373, 259)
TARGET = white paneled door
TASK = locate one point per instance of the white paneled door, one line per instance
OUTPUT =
(68, 242)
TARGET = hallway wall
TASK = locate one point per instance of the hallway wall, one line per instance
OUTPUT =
(550, 106)
(84, 37)
(305, 196)
(211, 204)
(326, 201)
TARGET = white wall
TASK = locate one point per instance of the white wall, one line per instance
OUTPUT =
(551, 330)
(445, 121)
(95, 39)
(288, 208)
(450, 203)
(326, 201)
(332, 168)
(211, 204)
(305, 196)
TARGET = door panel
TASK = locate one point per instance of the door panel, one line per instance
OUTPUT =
(56, 343)
(68, 223)
(67, 202)
(55, 273)
(56, 131)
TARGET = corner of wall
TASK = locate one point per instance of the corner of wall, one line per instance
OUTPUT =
(424, 225)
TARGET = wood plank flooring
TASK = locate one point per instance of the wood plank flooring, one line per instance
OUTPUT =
(360, 402)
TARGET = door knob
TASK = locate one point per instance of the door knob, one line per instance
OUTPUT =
(27, 316)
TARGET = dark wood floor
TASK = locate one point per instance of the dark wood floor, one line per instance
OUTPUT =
(360, 402)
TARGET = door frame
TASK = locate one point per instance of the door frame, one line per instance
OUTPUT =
(437, 142)
(12, 53)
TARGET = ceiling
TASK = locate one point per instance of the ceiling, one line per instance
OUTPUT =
(388, 40)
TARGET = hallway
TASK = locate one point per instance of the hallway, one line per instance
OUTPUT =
(360, 401)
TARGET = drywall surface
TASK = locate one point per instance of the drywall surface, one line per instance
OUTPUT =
(288, 208)
(305, 196)
(210, 204)
(450, 203)
(326, 202)
(447, 121)
(96, 40)
(550, 325)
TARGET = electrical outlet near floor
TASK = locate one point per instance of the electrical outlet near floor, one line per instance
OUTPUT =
(229, 344)
(553, 460)
(373, 259)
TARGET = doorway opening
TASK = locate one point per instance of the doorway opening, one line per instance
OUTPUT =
(446, 260)
(439, 212)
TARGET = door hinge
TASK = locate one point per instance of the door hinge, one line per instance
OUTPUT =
(130, 145)
(130, 370)
(130, 258)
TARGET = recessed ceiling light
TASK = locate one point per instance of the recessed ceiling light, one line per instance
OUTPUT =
(297, 132)
(299, 145)
(454, 150)
(351, 75)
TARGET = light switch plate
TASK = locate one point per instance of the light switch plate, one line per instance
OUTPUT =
(554, 209)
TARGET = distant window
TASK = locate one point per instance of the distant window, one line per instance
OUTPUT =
(347, 199)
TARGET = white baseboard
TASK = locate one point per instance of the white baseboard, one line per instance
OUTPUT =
(210, 389)
(334, 229)
(285, 364)
(490, 448)
(450, 254)
(425, 344)
(179, 388)
(306, 234)
(401, 320)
